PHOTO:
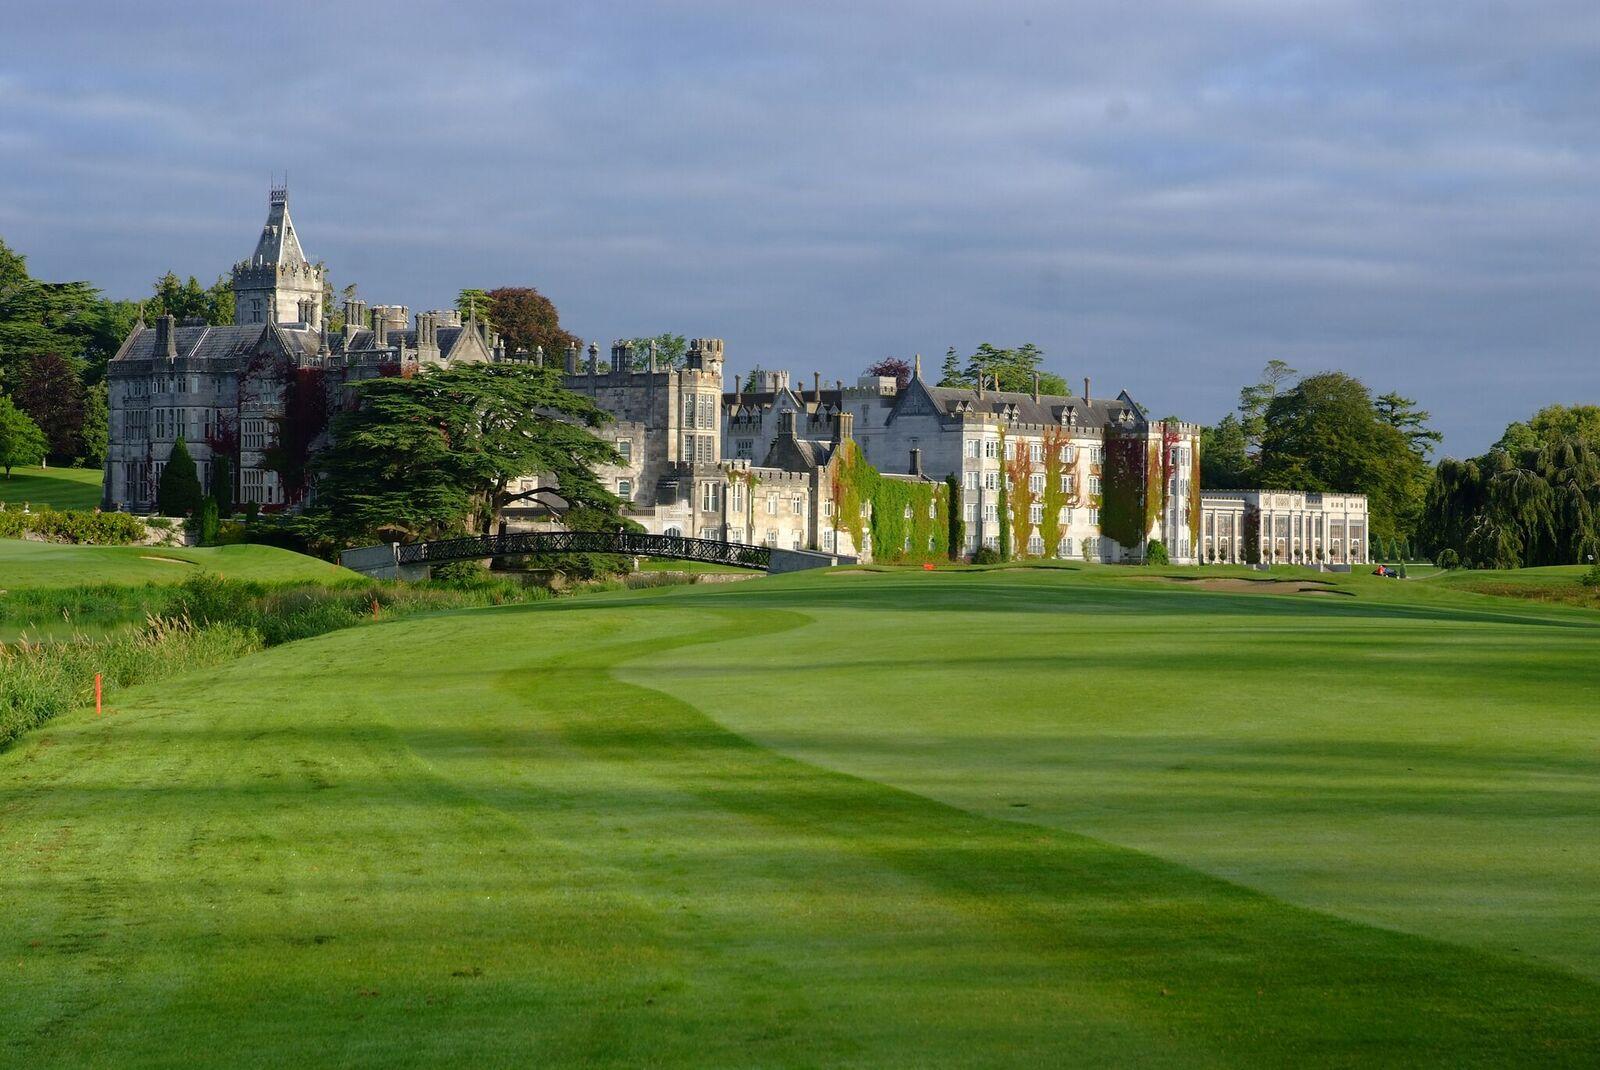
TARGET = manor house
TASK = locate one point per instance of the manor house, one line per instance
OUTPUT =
(870, 470)
(226, 390)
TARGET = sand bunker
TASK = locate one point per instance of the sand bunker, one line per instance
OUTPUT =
(168, 560)
(1238, 585)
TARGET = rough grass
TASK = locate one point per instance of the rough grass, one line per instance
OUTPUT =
(37, 564)
(1019, 818)
(135, 634)
(59, 488)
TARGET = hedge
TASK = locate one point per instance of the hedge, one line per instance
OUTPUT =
(58, 525)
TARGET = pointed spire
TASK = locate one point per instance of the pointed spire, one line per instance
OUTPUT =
(916, 368)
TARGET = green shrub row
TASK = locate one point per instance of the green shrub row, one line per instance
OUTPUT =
(58, 525)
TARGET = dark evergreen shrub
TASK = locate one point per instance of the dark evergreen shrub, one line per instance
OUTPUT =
(179, 492)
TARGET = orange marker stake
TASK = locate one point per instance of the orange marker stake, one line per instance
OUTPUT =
(97, 678)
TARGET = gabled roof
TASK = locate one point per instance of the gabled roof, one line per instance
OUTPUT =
(792, 454)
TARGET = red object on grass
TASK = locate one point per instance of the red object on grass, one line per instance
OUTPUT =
(927, 566)
(97, 677)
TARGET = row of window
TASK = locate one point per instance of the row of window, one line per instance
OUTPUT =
(991, 514)
(989, 449)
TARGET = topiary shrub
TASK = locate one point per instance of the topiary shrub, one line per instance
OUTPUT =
(179, 492)
(986, 555)
(1591, 578)
(1155, 553)
(1448, 559)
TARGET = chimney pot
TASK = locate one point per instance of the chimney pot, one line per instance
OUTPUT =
(916, 461)
(1086, 389)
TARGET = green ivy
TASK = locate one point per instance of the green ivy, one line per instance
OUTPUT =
(1124, 488)
(955, 520)
(895, 536)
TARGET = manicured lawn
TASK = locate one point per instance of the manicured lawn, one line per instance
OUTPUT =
(1021, 818)
(664, 564)
(59, 488)
(39, 564)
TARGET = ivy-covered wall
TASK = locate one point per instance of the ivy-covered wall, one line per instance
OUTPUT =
(1125, 497)
(1054, 498)
(909, 520)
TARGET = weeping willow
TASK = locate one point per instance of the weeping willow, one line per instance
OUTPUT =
(1512, 508)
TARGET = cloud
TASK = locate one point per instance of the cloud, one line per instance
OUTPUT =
(1163, 195)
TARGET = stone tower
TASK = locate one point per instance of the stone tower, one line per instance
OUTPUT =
(277, 284)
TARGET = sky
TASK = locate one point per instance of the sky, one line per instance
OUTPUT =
(1162, 195)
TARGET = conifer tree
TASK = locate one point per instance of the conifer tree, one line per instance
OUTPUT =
(179, 492)
(221, 490)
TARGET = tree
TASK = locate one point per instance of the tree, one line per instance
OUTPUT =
(1403, 415)
(1325, 434)
(94, 438)
(955, 517)
(1254, 401)
(178, 493)
(671, 349)
(474, 304)
(185, 300)
(528, 319)
(1224, 464)
(892, 367)
(52, 317)
(1010, 369)
(439, 453)
(221, 489)
(951, 374)
(49, 391)
(21, 441)
(1551, 423)
(1533, 499)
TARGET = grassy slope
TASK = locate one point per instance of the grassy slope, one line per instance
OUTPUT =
(62, 488)
(1413, 756)
(540, 864)
(38, 564)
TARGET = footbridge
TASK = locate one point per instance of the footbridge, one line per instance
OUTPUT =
(412, 560)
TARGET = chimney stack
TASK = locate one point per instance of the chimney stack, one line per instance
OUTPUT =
(380, 328)
(816, 388)
(843, 428)
(916, 461)
(786, 424)
(1085, 389)
(981, 378)
(594, 359)
(167, 336)
(1036, 386)
(572, 358)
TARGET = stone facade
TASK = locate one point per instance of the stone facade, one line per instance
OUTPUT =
(985, 436)
(228, 390)
(1283, 527)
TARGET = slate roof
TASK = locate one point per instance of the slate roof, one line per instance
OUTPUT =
(1092, 412)
(229, 342)
(793, 454)
(361, 339)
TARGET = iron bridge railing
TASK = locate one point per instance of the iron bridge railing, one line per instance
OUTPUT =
(585, 542)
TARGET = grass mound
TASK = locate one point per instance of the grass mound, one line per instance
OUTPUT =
(59, 488)
(37, 564)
